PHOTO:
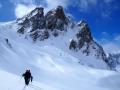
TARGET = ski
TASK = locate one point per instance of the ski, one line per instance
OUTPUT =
(24, 87)
(36, 87)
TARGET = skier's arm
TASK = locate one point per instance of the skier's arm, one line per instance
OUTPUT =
(31, 78)
(23, 74)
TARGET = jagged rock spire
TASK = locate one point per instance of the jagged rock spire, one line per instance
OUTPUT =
(84, 32)
(60, 13)
(55, 20)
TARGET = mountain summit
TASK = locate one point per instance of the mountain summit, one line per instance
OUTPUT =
(76, 37)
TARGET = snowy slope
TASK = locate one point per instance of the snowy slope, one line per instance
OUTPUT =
(82, 79)
(52, 67)
(13, 82)
(42, 52)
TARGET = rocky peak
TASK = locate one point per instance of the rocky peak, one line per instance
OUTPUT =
(37, 11)
(60, 13)
(83, 41)
(38, 20)
(40, 10)
(84, 32)
(56, 19)
(38, 24)
(82, 23)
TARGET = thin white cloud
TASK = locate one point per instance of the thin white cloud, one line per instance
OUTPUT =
(25, 6)
(45, 3)
(50, 4)
(15, 2)
(85, 5)
(54, 3)
(0, 5)
(22, 10)
(117, 38)
(108, 1)
(110, 45)
(105, 34)
(105, 37)
(103, 7)
(107, 8)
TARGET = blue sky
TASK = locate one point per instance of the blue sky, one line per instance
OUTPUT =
(103, 16)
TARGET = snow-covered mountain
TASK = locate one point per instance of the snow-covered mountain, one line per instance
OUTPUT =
(58, 51)
(75, 37)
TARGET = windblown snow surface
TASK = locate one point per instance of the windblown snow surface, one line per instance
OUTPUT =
(52, 68)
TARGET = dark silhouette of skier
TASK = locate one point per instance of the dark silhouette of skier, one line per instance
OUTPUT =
(8, 43)
(27, 77)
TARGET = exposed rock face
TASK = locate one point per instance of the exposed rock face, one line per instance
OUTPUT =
(56, 19)
(114, 61)
(73, 44)
(39, 34)
(36, 21)
(84, 42)
(84, 35)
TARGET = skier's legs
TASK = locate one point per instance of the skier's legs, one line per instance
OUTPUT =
(27, 81)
